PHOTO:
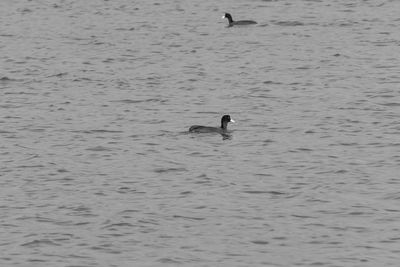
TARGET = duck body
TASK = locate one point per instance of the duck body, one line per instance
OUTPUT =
(205, 129)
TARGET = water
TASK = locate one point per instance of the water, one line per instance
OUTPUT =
(97, 167)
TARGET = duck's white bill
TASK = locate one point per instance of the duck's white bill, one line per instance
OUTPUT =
(232, 121)
(223, 16)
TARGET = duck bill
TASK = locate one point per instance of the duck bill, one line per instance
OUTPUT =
(223, 16)
(232, 121)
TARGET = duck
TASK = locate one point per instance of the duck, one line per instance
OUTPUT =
(239, 22)
(208, 129)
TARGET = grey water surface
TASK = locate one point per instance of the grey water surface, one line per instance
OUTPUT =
(97, 167)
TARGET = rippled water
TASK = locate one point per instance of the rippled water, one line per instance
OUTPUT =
(97, 167)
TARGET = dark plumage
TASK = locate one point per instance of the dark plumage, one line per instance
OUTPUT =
(239, 22)
(207, 129)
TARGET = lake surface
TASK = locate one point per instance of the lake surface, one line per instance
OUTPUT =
(97, 167)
